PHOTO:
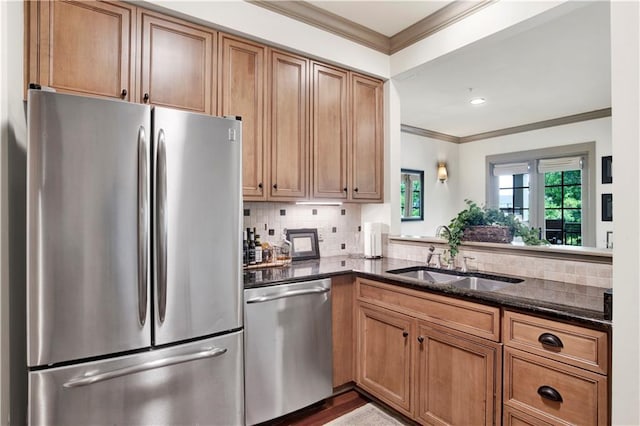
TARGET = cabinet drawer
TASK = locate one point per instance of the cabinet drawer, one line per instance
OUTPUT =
(514, 417)
(478, 320)
(581, 395)
(572, 344)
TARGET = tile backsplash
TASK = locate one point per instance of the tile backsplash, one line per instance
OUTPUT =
(569, 271)
(338, 226)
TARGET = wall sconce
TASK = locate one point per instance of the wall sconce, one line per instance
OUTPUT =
(442, 172)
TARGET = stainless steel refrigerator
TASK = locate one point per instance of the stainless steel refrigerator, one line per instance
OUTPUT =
(134, 291)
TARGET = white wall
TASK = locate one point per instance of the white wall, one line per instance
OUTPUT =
(473, 154)
(13, 210)
(4, 280)
(441, 200)
(625, 66)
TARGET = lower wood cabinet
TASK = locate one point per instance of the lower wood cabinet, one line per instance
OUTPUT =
(443, 361)
(384, 355)
(342, 317)
(457, 378)
(433, 374)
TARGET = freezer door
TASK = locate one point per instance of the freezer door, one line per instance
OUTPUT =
(195, 383)
(198, 198)
(88, 180)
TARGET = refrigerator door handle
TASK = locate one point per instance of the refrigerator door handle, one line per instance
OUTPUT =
(143, 224)
(292, 293)
(145, 366)
(161, 237)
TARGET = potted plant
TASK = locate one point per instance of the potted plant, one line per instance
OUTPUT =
(476, 223)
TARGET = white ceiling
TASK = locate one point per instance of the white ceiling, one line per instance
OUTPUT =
(384, 17)
(551, 66)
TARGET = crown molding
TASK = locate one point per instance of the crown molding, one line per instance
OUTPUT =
(440, 19)
(405, 128)
(320, 18)
(569, 119)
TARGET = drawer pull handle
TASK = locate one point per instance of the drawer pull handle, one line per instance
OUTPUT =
(549, 339)
(547, 392)
(405, 333)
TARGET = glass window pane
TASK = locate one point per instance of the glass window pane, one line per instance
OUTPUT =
(553, 197)
(552, 214)
(572, 197)
(505, 181)
(572, 177)
(572, 217)
(553, 178)
(505, 198)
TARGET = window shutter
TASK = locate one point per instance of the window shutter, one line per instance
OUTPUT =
(559, 164)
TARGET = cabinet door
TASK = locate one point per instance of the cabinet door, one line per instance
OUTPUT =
(242, 78)
(366, 139)
(81, 47)
(457, 378)
(177, 63)
(329, 132)
(384, 356)
(289, 127)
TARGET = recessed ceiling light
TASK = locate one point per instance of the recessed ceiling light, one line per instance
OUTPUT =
(477, 101)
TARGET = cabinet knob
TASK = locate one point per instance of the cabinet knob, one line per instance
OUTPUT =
(355, 189)
(344, 189)
(420, 339)
(145, 98)
(405, 333)
(551, 340)
(123, 94)
(275, 186)
(547, 392)
(260, 186)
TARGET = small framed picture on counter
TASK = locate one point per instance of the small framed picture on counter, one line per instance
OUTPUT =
(304, 243)
(607, 207)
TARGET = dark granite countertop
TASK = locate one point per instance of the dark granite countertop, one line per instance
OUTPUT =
(572, 302)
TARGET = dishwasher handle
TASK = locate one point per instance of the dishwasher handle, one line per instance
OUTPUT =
(291, 293)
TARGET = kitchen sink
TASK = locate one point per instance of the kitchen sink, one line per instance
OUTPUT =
(462, 280)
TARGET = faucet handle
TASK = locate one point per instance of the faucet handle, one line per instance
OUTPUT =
(437, 256)
(465, 267)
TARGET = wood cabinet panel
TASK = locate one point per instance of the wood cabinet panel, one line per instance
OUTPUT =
(289, 142)
(81, 47)
(458, 378)
(366, 139)
(343, 316)
(583, 394)
(514, 417)
(329, 118)
(242, 81)
(384, 355)
(579, 346)
(473, 318)
(176, 63)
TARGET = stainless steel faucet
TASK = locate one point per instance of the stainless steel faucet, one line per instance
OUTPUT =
(441, 228)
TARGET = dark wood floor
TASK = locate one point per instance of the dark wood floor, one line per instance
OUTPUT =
(322, 413)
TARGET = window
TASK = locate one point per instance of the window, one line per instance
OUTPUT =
(411, 195)
(547, 189)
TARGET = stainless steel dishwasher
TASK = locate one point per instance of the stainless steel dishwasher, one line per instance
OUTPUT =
(288, 350)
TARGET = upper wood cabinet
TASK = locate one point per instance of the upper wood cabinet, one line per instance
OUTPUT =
(242, 82)
(288, 126)
(366, 139)
(329, 132)
(176, 63)
(81, 47)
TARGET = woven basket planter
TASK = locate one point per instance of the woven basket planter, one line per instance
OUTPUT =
(488, 234)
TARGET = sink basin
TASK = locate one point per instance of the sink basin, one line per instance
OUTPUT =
(427, 275)
(471, 281)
